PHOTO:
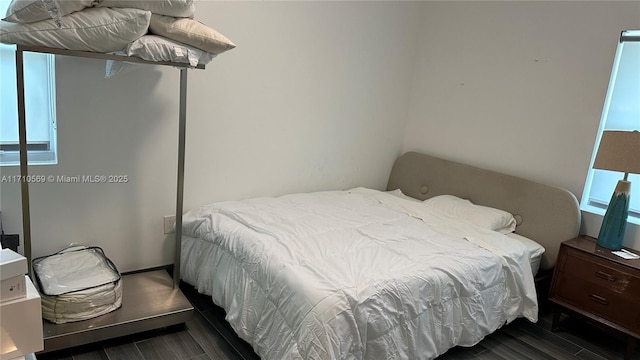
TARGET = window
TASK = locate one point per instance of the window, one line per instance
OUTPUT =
(621, 111)
(39, 78)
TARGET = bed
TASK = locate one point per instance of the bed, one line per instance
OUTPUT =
(431, 263)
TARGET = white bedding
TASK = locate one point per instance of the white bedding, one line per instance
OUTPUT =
(356, 274)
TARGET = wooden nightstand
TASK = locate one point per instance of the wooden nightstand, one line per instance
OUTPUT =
(594, 283)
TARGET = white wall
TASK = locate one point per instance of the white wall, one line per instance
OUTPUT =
(314, 97)
(517, 87)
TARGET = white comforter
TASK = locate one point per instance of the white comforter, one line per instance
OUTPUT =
(357, 274)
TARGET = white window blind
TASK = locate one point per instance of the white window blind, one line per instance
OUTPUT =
(621, 111)
(39, 77)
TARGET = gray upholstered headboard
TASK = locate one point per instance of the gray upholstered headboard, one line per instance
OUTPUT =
(547, 214)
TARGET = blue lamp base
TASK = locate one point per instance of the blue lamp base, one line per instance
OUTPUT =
(614, 222)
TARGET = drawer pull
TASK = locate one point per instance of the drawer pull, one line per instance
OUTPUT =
(604, 275)
(599, 299)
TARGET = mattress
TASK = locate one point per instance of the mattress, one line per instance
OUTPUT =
(534, 250)
(355, 274)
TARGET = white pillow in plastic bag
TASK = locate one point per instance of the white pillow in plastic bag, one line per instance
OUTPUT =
(190, 32)
(157, 48)
(92, 29)
(28, 11)
(177, 8)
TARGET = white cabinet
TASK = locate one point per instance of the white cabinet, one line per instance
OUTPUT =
(21, 325)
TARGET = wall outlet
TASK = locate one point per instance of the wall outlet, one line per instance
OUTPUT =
(169, 223)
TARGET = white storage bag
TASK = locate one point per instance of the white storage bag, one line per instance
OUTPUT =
(77, 283)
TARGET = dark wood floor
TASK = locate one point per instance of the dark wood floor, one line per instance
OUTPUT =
(208, 337)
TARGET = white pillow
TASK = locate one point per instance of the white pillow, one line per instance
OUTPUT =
(177, 8)
(28, 11)
(157, 48)
(482, 216)
(93, 29)
(535, 250)
(190, 32)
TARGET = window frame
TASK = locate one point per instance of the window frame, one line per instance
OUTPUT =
(588, 203)
(42, 151)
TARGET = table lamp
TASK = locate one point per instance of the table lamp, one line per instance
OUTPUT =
(618, 151)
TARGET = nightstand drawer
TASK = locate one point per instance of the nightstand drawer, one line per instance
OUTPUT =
(600, 272)
(589, 280)
(600, 301)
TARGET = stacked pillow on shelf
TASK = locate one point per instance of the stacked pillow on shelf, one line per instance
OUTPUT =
(155, 30)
